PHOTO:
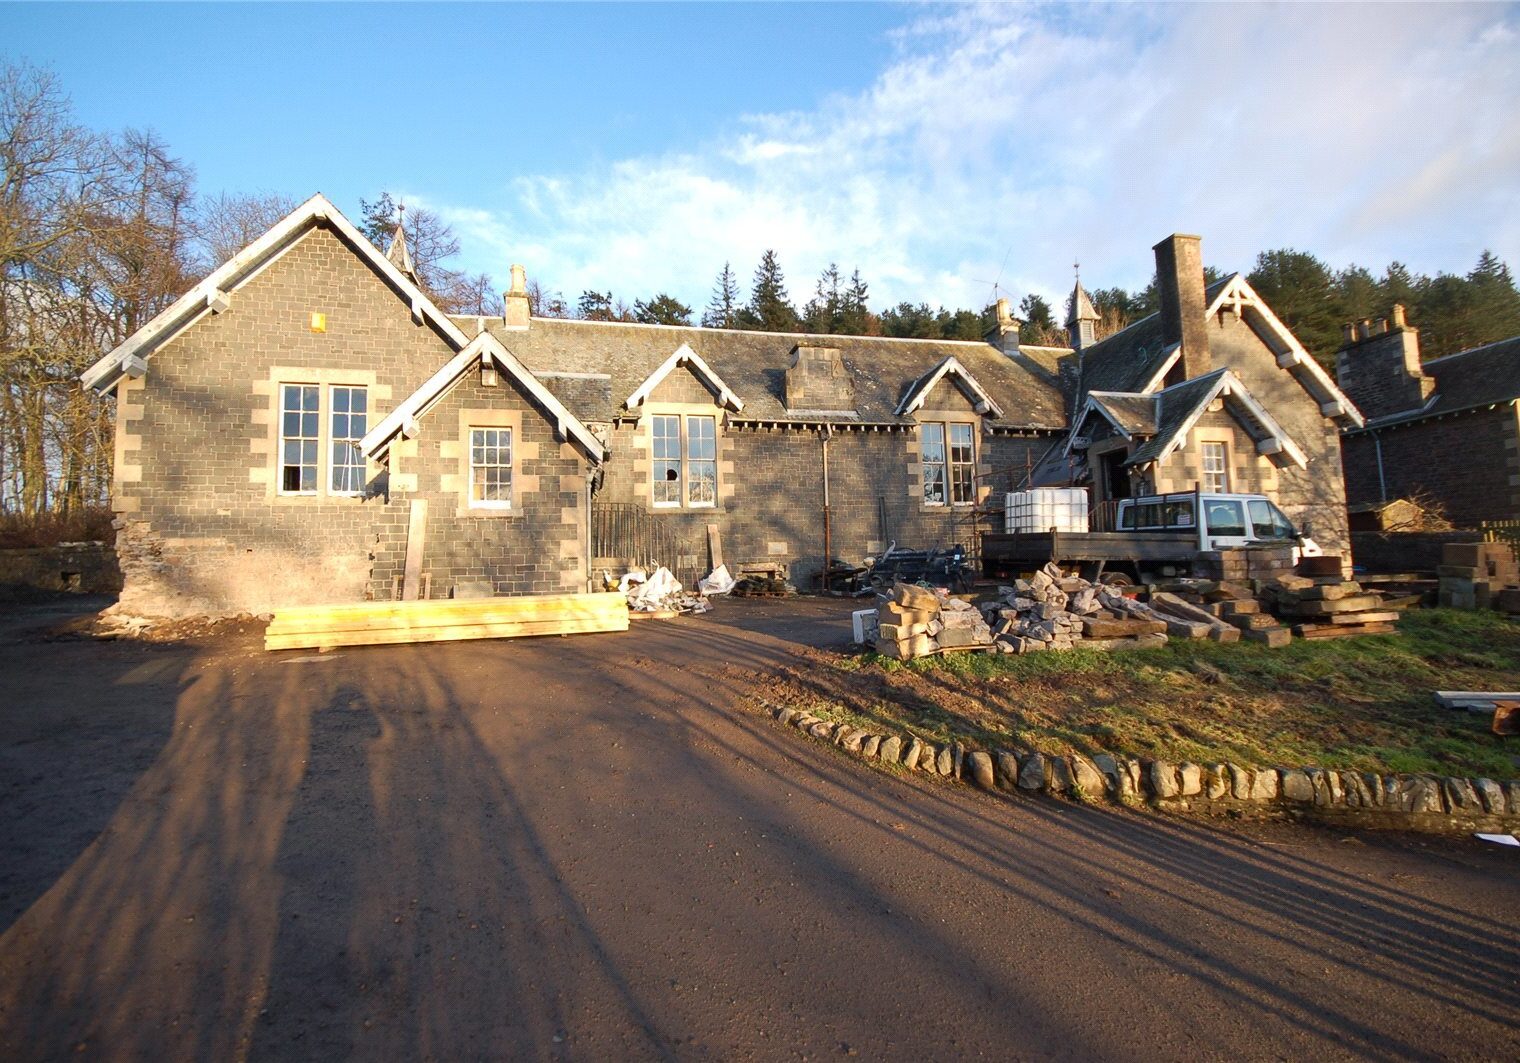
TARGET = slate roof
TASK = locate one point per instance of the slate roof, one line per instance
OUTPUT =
(1127, 360)
(754, 365)
(1175, 406)
(1136, 414)
(1481, 376)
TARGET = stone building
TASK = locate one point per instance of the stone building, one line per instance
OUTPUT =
(306, 426)
(1445, 433)
(1213, 391)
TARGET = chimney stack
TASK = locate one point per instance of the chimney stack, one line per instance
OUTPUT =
(1179, 279)
(515, 312)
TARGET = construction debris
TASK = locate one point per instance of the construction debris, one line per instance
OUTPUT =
(1050, 611)
(659, 592)
(1329, 607)
(1474, 575)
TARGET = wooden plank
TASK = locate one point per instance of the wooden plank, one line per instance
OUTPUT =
(526, 607)
(416, 537)
(1330, 631)
(658, 614)
(714, 546)
(1364, 618)
(443, 633)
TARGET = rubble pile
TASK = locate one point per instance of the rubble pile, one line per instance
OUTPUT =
(921, 621)
(658, 592)
(1054, 611)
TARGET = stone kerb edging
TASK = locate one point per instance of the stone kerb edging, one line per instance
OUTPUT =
(1414, 802)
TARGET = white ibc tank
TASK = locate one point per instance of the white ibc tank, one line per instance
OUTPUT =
(1044, 508)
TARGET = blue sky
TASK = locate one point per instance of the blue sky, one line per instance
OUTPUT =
(938, 148)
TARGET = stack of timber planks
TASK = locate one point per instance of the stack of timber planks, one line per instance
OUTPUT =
(1329, 607)
(385, 623)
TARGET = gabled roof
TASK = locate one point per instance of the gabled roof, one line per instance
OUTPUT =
(685, 356)
(1467, 380)
(950, 367)
(563, 353)
(1134, 415)
(213, 295)
(482, 350)
(1137, 358)
(1180, 406)
(1237, 295)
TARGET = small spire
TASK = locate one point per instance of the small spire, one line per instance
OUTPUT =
(1082, 320)
(398, 253)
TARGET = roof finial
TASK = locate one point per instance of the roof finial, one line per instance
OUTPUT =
(398, 253)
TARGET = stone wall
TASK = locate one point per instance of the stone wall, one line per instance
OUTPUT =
(771, 492)
(204, 529)
(1315, 495)
(535, 547)
(1399, 801)
(73, 568)
(1467, 464)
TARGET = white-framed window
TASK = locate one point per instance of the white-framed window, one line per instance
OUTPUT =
(962, 464)
(701, 461)
(683, 460)
(1216, 468)
(932, 451)
(300, 438)
(348, 420)
(948, 455)
(490, 468)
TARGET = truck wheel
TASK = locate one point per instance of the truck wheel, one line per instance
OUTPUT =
(1116, 579)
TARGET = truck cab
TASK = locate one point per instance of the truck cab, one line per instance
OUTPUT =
(1228, 520)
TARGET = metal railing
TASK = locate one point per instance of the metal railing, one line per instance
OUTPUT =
(635, 537)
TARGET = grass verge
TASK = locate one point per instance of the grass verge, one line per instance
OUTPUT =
(1360, 703)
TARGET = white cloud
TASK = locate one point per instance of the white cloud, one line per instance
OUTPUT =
(1040, 135)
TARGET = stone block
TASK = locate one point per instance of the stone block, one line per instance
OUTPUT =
(981, 771)
(1296, 786)
(1088, 779)
(1461, 795)
(891, 750)
(1007, 769)
(1162, 779)
(1032, 772)
(1491, 794)
(870, 746)
(1190, 779)
(1240, 782)
(912, 754)
(1264, 785)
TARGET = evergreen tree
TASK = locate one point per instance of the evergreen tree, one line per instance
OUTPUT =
(662, 310)
(723, 309)
(1301, 291)
(960, 324)
(1357, 294)
(1039, 328)
(855, 314)
(770, 309)
(595, 306)
(825, 311)
(908, 321)
(1495, 305)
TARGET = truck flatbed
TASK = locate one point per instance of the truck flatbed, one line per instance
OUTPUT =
(1036, 548)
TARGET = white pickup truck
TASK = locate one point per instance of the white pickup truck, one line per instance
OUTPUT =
(1156, 534)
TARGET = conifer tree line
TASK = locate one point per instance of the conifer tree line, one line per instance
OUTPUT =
(100, 231)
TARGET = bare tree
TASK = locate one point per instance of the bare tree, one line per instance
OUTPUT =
(227, 223)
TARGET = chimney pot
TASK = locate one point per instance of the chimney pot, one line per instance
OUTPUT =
(1398, 316)
(515, 310)
(1348, 333)
(1364, 329)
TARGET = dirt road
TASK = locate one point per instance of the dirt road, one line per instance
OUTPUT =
(584, 848)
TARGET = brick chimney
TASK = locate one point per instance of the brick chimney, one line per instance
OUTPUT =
(515, 310)
(1179, 280)
(1378, 366)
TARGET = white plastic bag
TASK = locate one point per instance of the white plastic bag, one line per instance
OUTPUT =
(718, 582)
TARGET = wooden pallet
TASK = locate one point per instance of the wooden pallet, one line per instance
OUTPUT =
(388, 623)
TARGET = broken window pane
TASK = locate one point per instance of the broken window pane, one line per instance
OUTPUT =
(298, 436)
